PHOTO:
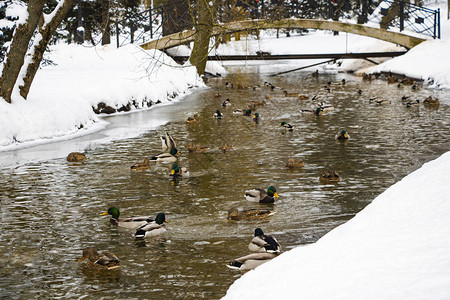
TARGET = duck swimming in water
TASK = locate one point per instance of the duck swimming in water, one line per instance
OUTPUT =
(261, 196)
(248, 214)
(130, 222)
(264, 243)
(218, 114)
(153, 228)
(342, 135)
(287, 126)
(100, 261)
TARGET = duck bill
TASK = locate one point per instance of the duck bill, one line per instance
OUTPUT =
(346, 136)
(81, 259)
(104, 214)
(276, 195)
(172, 172)
(166, 221)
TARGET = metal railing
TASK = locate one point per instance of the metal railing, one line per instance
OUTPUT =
(178, 16)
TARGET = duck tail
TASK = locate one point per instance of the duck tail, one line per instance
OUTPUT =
(140, 234)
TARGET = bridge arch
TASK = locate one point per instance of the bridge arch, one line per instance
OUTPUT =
(179, 38)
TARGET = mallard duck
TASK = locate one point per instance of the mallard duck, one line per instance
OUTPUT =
(392, 79)
(167, 143)
(251, 261)
(383, 102)
(225, 147)
(287, 126)
(167, 157)
(367, 77)
(329, 176)
(294, 163)
(226, 103)
(412, 103)
(264, 243)
(261, 196)
(229, 85)
(372, 99)
(196, 148)
(315, 74)
(249, 214)
(273, 88)
(100, 261)
(141, 166)
(241, 111)
(76, 157)
(256, 117)
(326, 107)
(286, 94)
(431, 102)
(193, 119)
(179, 172)
(342, 135)
(318, 111)
(154, 228)
(130, 222)
(407, 81)
(303, 97)
(218, 114)
(343, 82)
(405, 98)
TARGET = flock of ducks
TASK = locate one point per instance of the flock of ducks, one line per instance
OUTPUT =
(263, 247)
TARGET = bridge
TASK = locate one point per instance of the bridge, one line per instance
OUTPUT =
(395, 21)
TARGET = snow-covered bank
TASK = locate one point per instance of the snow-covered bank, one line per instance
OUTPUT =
(76, 79)
(396, 248)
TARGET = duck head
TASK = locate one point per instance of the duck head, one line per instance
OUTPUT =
(113, 211)
(174, 152)
(88, 253)
(272, 191)
(160, 218)
(259, 232)
(175, 170)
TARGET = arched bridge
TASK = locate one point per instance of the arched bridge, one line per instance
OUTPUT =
(395, 21)
(179, 38)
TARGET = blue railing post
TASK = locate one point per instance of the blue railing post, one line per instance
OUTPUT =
(402, 15)
(439, 22)
(151, 22)
(117, 33)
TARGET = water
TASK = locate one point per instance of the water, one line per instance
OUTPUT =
(50, 209)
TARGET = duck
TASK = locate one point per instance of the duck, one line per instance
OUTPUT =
(264, 243)
(218, 114)
(76, 157)
(273, 88)
(326, 107)
(287, 126)
(294, 163)
(256, 117)
(412, 103)
(342, 135)
(367, 77)
(249, 214)
(286, 94)
(196, 148)
(392, 79)
(431, 102)
(167, 143)
(243, 112)
(226, 102)
(329, 176)
(172, 156)
(261, 196)
(383, 102)
(318, 111)
(405, 98)
(250, 261)
(343, 82)
(226, 147)
(193, 119)
(229, 85)
(303, 97)
(218, 95)
(372, 99)
(100, 261)
(179, 172)
(315, 74)
(141, 166)
(153, 228)
(130, 222)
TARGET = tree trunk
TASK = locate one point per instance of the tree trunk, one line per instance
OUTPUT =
(106, 23)
(46, 31)
(19, 46)
(204, 26)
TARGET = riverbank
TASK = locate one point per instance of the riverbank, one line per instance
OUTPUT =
(395, 248)
(75, 81)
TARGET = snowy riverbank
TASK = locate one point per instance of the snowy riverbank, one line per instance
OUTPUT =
(77, 79)
(395, 248)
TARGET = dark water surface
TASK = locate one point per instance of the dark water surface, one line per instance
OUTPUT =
(50, 210)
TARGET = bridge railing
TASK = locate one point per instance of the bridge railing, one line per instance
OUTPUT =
(178, 16)
(405, 15)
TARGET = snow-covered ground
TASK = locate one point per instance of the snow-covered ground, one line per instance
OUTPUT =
(395, 248)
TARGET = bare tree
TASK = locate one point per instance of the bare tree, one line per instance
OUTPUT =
(203, 27)
(16, 69)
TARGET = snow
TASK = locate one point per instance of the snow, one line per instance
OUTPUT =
(62, 95)
(395, 248)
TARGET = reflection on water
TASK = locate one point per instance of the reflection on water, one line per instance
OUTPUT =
(50, 210)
